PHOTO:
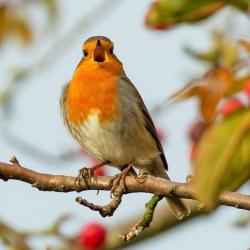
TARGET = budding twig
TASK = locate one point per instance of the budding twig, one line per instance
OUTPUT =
(145, 221)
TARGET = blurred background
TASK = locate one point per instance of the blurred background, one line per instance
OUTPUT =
(40, 46)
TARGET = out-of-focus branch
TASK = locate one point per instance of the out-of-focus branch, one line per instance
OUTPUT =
(154, 185)
(12, 238)
(20, 240)
(38, 153)
(54, 52)
(162, 222)
(20, 77)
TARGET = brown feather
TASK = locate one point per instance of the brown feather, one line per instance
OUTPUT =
(149, 124)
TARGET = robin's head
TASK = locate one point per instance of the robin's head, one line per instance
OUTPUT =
(99, 49)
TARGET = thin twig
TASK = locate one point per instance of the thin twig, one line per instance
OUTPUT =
(36, 152)
(145, 221)
(163, 221)
(12, 238)
(106, 210)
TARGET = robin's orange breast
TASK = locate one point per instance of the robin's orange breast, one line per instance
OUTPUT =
(92, 88)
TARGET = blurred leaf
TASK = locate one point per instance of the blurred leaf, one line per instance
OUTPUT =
(210, 56)
(12, 239)
(210, 90)
(223, 52)
(167, 13)
(239, 85)
(215, 85)
(15, 21)
(13, 24)
(242, 5)
(223, 161)
(170, 13)
(245, 44)
(229, 53)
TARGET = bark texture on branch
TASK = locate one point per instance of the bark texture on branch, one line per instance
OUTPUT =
(154, 185)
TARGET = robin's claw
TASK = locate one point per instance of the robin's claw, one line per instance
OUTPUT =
(118, 181)
(85, 175)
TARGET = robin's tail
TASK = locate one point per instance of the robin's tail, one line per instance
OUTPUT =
(178, 207)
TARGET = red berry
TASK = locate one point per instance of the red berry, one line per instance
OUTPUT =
(232, 105)
(161, 134)
(195, 131)
(92, 236)
(100, 171)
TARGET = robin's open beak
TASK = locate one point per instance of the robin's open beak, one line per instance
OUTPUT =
(99, 53)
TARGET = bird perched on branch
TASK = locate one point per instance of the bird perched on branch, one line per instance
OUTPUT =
(106, 115)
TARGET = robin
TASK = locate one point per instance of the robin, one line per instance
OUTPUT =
(105, 113)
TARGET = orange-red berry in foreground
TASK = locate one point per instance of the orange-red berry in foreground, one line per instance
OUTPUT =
(92, 236)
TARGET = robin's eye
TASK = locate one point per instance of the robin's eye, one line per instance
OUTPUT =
(85, 53)
(111, 50)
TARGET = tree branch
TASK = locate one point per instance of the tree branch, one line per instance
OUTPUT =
(154, 185)
(162, 222)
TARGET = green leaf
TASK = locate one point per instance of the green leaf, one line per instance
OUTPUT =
(166, 13)
(223, 158)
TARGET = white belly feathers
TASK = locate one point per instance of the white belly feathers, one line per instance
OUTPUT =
(115, 141)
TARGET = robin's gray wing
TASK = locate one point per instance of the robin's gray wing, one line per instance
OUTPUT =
(149, 125)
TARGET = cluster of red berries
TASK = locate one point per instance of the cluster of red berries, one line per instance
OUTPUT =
(229, 107)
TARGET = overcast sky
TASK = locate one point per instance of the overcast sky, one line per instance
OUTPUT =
(156, 64)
